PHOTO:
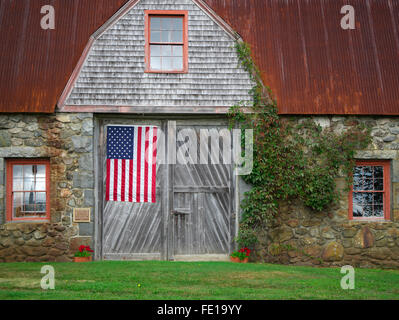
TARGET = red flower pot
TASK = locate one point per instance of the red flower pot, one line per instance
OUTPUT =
(82, 259)
(235, 259)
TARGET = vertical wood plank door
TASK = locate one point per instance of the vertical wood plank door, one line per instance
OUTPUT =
(202, 199)
(192, 218)
(131, 231)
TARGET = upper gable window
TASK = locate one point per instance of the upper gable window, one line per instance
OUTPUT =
(166, 41)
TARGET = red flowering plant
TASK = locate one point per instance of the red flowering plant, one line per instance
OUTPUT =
(241, 254)
(84, 251)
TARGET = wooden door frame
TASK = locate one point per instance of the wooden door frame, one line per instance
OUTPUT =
(98, 188)
(167, 223)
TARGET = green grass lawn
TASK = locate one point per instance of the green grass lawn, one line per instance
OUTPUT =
(192, 280)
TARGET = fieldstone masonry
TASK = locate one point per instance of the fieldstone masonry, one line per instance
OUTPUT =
(67, 140)
(298, 236)
(304, 237)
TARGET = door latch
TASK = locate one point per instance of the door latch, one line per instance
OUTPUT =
(180, 211)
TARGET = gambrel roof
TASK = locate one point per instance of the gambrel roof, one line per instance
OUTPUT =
(311, 64)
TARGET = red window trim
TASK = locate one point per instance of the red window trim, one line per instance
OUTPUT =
(386, 192)
(9, 203)
(165, 13)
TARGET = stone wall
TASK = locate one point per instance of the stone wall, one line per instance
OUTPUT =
(305, 237)
(67, 141)
(298, 236)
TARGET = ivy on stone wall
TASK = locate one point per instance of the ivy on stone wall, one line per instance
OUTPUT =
(292, 160)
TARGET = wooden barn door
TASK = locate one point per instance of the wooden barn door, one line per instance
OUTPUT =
(192, 217)
(131, 231)
(201, 215)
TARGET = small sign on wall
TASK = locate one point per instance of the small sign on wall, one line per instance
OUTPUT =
(81, 215)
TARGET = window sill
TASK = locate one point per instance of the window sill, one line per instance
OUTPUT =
(379, 220)
(166, 71)
(27, 221)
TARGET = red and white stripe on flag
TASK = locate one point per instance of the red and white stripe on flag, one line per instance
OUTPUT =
(134, 180)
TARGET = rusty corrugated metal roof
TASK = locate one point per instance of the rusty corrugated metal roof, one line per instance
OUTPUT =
(35, 64)
(311, 64)
(314, 66)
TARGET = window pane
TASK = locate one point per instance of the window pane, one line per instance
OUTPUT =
(363, 204)
(378, 198)
(367, 211)
(378, 211)
(177, 51)
(378, 172)
(155, 23)
(24, 177)
(357, 184)
(40, 201)
(368, 198)
(167, 23)
(379, 184)
(18, 184)
(176, 36)
(357, 210)
(155, 63)
(29, 204)
(368, 172)
(167, 63)
(26, 201)
(358, 198)
(357, 172)
(29, 184)
(17, 171)
(17, 204)
(29, 177)
(166, 51)
(165, 37)
(41, 171)
(155, 50)
(357, 178)
(177, 24)
(164, 57)
(28, 171)
(40, 184)
(178, 63)
(29, 201)
(155, 36)
(368, 184)
(368, 178)
(41, 178)
(368, 204)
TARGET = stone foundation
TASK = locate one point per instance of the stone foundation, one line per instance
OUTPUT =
(304, 237)
(298, 236)
(36, 242)
(67, 141)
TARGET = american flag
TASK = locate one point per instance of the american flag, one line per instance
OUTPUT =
(131, 163)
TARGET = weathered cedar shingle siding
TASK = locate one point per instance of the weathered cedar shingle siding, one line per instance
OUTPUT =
(113, 73)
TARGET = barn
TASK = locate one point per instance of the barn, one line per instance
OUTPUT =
(165, 72)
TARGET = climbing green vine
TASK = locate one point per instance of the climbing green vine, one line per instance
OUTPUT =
(292, 159)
